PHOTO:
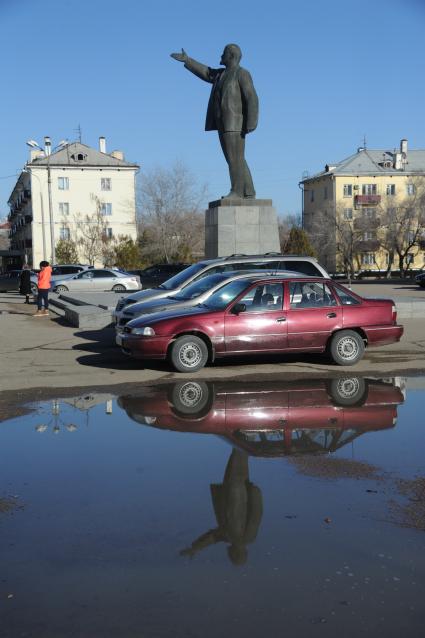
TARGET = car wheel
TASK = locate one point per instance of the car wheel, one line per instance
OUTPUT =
(422, 284)
(189, 353)
(118, 288)
(348, 391)
(190, 398)
(347, 348)
(61, 288)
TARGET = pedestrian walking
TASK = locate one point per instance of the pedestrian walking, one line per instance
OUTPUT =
(43, 283)
(25, 282)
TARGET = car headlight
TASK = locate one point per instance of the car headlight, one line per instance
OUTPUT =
(146, 332)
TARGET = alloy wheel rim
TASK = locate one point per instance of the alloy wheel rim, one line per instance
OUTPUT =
(348, 348)
(190, 355)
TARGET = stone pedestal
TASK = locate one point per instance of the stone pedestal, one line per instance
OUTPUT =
(240, 226)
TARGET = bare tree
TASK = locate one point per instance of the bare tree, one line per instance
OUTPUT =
(92, 240)
(403, 228)
(170, 214)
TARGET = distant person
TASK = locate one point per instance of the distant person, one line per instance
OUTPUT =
(25, 282)
(43, 283)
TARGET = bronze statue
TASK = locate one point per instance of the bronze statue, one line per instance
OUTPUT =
(232, 111)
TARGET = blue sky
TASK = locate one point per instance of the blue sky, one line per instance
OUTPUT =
(327, 73)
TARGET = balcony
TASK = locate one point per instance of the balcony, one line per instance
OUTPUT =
(366, 200)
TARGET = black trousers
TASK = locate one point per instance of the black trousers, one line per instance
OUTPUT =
(43, 298)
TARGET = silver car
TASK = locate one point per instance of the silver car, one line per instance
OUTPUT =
(98, 280)
(272, 262)
(195, 294)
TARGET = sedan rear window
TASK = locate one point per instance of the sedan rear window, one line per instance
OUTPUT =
(345, 297)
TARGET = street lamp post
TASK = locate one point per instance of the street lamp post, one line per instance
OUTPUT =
(47, 152)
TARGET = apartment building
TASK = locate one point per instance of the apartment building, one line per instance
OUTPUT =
(60, 190)
(350, 208)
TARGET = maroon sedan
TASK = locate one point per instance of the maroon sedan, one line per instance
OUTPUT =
(266, 314)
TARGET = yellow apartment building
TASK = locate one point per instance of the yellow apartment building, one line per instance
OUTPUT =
(56, 188)
(367, 209)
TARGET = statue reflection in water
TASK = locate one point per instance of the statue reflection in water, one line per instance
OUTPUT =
(238, 508)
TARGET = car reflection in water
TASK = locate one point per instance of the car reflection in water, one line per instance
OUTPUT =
(272, 418)
(264, 419)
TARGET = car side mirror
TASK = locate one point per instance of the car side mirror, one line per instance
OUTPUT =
(238, 308)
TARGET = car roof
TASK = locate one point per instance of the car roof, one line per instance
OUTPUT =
(265, 256)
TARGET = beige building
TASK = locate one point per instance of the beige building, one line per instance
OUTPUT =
(60, 194)
(367, 209)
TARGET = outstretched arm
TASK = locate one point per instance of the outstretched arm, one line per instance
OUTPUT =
(180, 57)
(200, 70)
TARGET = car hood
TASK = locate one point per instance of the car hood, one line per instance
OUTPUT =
(168, 314)
(150, 293)
(156, 305)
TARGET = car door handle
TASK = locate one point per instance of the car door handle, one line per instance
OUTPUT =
(331, 315)
(281, 319)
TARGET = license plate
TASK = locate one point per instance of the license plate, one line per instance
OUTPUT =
(118, 340)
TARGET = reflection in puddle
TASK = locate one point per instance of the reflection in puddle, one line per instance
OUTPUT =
(303, 511)
(273, 418)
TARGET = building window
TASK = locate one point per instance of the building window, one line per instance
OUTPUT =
(64, 208)
(368, 259)
(410, 189)
(64, 233)
(348, 213)
(390, 189)
(63, 183)
(369, 189)
(348, 190)
(325, 193)
(369, 213)
(106, 208)
(410, 259)
(368, 234)
(105, 184)
(109, 233)
(79, 157)
(411, 237)
(312, 196)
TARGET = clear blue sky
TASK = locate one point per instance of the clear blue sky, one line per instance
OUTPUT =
(327, 73)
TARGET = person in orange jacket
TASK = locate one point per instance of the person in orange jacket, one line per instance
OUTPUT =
(43, 284)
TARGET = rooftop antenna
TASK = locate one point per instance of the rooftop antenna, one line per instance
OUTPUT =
(364, 141)
(78, 131)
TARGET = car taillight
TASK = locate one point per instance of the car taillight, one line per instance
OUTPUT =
(394, 309)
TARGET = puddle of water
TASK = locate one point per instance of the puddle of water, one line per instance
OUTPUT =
(203, 509)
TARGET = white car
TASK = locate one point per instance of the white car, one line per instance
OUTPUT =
(98, 280)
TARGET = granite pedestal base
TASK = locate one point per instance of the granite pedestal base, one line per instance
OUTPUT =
(241, 226)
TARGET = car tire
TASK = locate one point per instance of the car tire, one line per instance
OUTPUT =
(61, 288)
(118, 288)
(348, 391)
(346, 348)
(191, 398)
(189, 353)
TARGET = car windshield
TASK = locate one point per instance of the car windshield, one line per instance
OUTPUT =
(220, 299)
(199, 287)
(181, 277)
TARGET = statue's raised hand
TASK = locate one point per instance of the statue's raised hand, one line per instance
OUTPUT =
(180, 57)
